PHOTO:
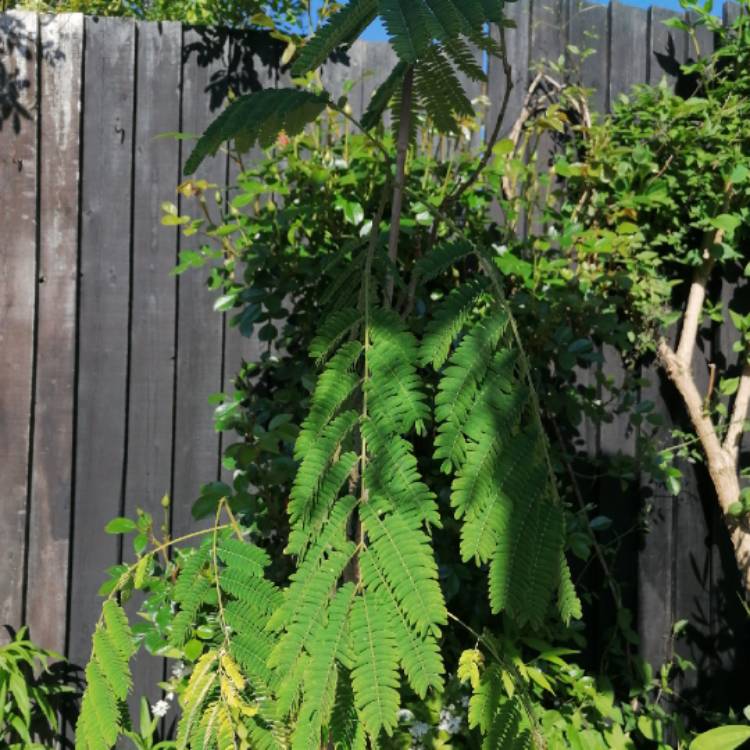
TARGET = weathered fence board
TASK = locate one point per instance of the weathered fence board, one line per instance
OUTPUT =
(107, 162)
(18, 176)
(153, 290)
(52, 469)
(199, 328)
(110, 359)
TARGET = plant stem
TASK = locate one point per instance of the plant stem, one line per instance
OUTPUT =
(404, 129)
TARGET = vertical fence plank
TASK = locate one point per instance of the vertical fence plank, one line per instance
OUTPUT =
(52, 472)
(199, 328)
(374, 63)
(517, 44)
(589, 32)
(103, 315)
(656, 571)
(618, 498)
(154, 291)
(18, 227)
(666, 48)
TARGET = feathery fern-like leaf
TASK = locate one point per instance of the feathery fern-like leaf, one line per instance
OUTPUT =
(404, 554)
(419, 653)
(202, 682)
(396, 397)
(341, 28)
(333, 329)
(257, 117)
(382, 96)
(375, 665)
(449, 319)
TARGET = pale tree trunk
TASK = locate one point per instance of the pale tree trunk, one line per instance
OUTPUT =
(722, 458)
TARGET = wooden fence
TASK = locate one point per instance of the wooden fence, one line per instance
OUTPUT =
(108, 360)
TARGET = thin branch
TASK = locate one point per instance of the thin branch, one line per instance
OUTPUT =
(739, 414)
(404, 130)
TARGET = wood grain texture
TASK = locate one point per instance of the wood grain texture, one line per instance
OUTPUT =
(589, 33)
(154, 295)
(199, 329)
(52, 471)
(628, 43)
(103, 315)
(18, 228)
(666, 48)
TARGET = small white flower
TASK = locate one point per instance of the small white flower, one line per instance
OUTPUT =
(160, 708)
(465, 701)
(404, 714)
(448, 722)
(419, 729)
(169, 696)
(178, 670)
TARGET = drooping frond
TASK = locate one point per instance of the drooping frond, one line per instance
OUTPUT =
(108, 681)
(328, 649)
(331, 332)
(392, 476)
(419, 653)
(488, 434)
(396, 398)
(525, 570)
(403, 553)
(449, 319)
(332, 388)
(251, 600)
(408, 25)
(440, 92)
(341, 28)
(465, 59)
(258, 117)
(505, 732)
(568, 603)
(316, 461)
(375, 665)
(459, 386)
(306, 606)
(193, 587)
(382, 96)
(345, 730)
(329, 514)
(441, 258)
(201, 685)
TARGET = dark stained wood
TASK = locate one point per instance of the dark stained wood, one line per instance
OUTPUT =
(126, 428)
(103, 315)
(666, 48)
(629, 42)
(589, 31)
(51, 477)
(154, 294)
(18, 227)
(517, 44)
(199, 329)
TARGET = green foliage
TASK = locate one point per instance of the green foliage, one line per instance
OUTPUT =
(108, 681)
(412, 414)
(33, 689)
(259, 116)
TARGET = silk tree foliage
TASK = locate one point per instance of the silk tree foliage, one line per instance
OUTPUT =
(432, 39)
(323, 659)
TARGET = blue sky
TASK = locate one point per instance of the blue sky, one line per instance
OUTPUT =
(376, 33)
